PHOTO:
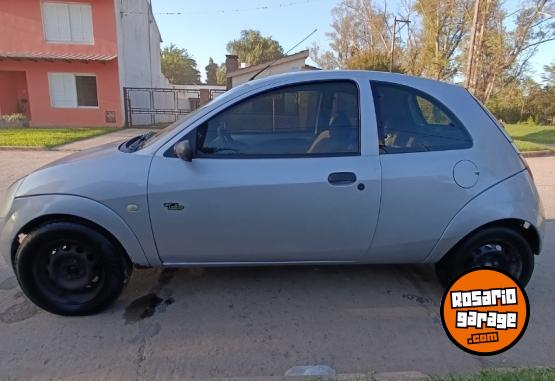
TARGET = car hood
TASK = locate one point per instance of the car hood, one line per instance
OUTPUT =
(88, 154)
(100, 173)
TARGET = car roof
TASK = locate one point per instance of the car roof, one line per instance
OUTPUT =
(434, 87)
(315, 75)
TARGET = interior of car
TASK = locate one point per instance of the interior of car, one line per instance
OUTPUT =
(311, 119)
(409, 121)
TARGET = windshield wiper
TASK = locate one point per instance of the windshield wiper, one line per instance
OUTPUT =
(139, 141)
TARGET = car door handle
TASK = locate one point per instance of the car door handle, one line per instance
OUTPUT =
(342, 178)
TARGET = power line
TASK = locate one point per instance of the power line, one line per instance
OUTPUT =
(231, 10)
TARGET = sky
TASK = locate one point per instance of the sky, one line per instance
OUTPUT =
(205, 27)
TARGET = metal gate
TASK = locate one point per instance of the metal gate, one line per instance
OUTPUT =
(160, 106)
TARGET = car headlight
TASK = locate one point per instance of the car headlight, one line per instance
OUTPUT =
(6, 202)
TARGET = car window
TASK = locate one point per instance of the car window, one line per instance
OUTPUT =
(311, 119)
(411, 121)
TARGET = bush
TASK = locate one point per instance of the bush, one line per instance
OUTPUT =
(12, 117)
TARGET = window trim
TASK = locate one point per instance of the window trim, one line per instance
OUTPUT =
(169, 152)
(62, 42)
(76, 96)
(446, 110)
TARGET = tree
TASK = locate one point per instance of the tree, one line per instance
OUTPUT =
(523, 100)
(221, 76)
(502, 54)
(549, 74)
(360, 37)
(444, 23)
(179, 67)
(253, 48)
(369, 61)
(211, 72)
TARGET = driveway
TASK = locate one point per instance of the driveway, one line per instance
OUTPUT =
(255, 322)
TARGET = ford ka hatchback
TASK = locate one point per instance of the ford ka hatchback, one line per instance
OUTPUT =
(304, 168)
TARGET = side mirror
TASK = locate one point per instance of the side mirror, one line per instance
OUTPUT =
(183, 150)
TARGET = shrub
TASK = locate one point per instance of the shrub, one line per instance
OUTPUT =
(12, 117)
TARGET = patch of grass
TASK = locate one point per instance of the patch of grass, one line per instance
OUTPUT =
(529, 137)
(524, 146)
(47, 137)
(543, 374)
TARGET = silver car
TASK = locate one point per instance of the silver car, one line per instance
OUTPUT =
(323, 167)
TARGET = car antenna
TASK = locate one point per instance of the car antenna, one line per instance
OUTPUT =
(286, 53)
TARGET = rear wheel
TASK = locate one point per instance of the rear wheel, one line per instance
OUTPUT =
(497, 247)
(70, 269)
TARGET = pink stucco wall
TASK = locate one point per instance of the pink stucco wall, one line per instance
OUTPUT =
(13, 89)
(43, 114)
(21, 30)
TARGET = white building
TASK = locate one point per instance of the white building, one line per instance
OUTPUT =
(236, 74)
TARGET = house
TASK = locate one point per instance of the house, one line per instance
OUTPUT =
(239, 73)
(67, 62)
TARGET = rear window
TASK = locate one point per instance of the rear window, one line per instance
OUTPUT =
(412, 121)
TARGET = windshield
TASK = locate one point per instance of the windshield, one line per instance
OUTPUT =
(168, 130)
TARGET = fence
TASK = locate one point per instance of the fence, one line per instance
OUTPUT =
(155, 106)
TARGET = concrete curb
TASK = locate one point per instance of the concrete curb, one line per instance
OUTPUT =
(15, 148)
(384, 376)
(538, 153)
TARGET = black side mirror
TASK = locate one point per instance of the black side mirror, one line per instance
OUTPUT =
(183, 150)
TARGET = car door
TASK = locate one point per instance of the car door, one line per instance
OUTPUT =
(422, 146)
(278, 177)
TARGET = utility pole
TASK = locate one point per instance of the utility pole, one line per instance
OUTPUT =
(471, 47)
(392, 57)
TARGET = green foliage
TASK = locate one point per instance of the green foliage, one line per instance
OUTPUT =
(524, 100)
(367, 61)
(221, 76)
(542, 374)
(360, 37)
(444, 23)
(549, 74)
(211, 72)
(47, 137)
(179, 67)
(12, 117)
(436, 44)
(253, 48)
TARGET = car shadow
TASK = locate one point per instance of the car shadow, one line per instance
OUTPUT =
(541, 137)
(263, 289)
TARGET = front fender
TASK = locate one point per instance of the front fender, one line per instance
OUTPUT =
(27, 209)
(513, 198)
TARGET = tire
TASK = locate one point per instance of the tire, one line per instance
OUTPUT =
(70, 269)
(498, 247)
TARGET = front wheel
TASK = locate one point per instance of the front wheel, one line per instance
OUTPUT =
(497, 247)
(70, 269)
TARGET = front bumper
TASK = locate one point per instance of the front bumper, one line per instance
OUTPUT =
(6, 213)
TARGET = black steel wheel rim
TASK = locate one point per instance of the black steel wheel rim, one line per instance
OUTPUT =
(498, 255)
(69, 272)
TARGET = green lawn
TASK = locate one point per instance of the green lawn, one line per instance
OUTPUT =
(546, 374)
(46, 137)
(532, 138)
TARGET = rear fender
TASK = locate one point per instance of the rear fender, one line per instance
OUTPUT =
(513, 198)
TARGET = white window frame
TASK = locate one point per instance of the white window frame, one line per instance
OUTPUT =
(50, 74)
(70, 41)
